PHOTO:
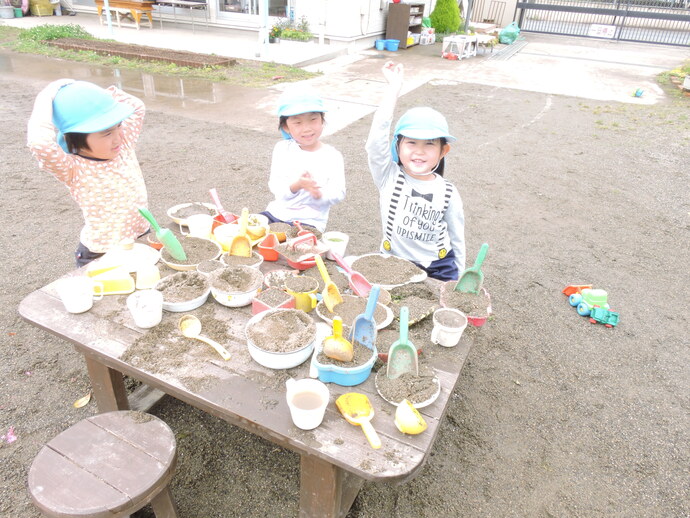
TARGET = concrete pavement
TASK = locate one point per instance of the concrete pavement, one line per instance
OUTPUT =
(352, 82)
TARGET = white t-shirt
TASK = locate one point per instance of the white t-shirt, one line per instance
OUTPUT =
(326, 167)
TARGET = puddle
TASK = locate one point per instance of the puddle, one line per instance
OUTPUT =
(193, 98)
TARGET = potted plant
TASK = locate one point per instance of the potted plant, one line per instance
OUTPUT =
(274, 34)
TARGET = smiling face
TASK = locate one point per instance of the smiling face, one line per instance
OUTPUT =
(305, 129)
(419, 157)
(104, 145)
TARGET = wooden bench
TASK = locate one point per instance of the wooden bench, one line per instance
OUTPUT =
(128, 8)
(108, 465)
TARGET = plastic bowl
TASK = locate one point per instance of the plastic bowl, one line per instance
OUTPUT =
(183, 221)
(236, 299)
(475, 319)
(188, 267)
(277, 360)
(256, 257)
(344, 376)
(186, 305)
(276, 278)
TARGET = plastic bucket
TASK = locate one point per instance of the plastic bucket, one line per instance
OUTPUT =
(6, 11)
(18, 12)
(380, 44)
(392, 45)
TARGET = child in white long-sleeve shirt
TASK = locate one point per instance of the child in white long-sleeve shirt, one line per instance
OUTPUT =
(307, 176)
(85, 135)
(421, 212)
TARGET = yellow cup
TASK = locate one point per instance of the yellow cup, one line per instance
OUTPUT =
(305, 300)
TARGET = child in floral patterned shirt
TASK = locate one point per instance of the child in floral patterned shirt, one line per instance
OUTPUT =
(85, 135)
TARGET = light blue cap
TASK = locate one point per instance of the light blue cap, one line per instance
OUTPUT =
(420, 123)
(296, 101)
(83, 107)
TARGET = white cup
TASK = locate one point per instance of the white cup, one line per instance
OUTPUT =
(199, 225)
(146, 307)
(449, 325)
(336, 242)
(307, 399)
(78, 293)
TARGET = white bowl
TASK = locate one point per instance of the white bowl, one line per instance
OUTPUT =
(185, 305)
(277, 360)
(188, 267)
(236, 299)
(183, 221)
(225, 257)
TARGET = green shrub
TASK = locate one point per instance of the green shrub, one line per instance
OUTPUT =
(299, 32)
(445, 17)
(54, 32)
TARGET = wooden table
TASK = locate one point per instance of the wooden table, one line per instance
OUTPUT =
(131, 8)
(335, 457)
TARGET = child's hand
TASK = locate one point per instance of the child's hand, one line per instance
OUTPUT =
(307, 183)
(393, 74)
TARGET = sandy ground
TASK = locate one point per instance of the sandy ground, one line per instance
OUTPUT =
(552, 416)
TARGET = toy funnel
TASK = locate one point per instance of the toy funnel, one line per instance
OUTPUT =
(472, 278)
(337, 347)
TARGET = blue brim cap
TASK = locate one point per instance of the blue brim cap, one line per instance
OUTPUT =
(420, 123)
(83, 107)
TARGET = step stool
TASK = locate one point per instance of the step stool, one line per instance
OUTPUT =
(109, 465)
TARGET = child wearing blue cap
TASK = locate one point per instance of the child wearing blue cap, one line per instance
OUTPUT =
(307, 176)
(84, 135)
(421, 212)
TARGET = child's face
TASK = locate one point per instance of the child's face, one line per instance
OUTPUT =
(305, 129)
(104, 145)
(419, 157)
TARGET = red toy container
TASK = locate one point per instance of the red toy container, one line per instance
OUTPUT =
(259, 306)
(267, 247)
(477, 319)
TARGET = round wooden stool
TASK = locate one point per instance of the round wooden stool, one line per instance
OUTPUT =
(109, 465)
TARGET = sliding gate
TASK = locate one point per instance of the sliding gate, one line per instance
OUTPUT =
(648, 21)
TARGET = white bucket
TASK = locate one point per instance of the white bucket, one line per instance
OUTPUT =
(449, 325)
(146, 307)
(307, 399)
(336, 242)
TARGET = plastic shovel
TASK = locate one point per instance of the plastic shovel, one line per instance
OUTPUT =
(402, 356)
(228, 217)
(240, 245)
(337, 347)
(191, 328)
(358, 282)
(166, 237)
(356, 409)
(472, 278)
(364, 327)
(331, 295)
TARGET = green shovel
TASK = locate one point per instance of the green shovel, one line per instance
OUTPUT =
(471, 279)
(166, 237)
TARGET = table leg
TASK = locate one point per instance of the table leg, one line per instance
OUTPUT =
(326, 491)
(108, 386)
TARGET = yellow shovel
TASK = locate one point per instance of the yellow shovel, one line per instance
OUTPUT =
(240, 244)
(356, 409)
(337, 347)
(331, 295)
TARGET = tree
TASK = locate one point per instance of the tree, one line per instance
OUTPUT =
(445, 17)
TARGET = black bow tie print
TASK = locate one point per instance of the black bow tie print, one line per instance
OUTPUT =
(427, 197)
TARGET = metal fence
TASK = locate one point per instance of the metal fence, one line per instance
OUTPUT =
(649, 21)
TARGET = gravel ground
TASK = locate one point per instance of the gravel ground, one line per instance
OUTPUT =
(552, 416)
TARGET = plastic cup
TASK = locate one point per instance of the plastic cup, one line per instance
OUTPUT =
(449, 325)
(336, 242)
(304, 300)
(78, 293)
(146, 307)
(147, 276)
(199, 225)
(307, 399)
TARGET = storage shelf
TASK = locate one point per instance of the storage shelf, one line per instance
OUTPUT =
(398, 24)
